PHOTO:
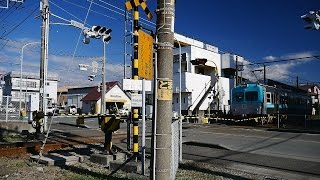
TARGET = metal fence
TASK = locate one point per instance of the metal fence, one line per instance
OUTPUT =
(175, 148)
(9, 110)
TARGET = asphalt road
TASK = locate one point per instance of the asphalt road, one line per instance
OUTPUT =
(240, 146)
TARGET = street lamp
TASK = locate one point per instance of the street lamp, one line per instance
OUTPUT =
(21, 62)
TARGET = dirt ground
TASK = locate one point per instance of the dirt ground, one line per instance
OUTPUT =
(21, 168)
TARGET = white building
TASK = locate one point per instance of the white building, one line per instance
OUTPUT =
(30, 85)
(115, 97)
(205, 84)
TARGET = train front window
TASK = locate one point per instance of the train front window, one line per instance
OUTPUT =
(251, 96)
(238, 97)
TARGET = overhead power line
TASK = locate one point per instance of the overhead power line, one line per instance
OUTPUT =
(82, 7)
(15, 27)
(283, 60)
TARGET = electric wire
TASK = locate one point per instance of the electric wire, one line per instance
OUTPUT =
(147, 22)
(82, 7)
(14, 28)
(283, 60)
(10, 12)
(65, 11)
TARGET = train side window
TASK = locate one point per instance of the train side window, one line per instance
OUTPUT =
(251, 96)
(269, 99)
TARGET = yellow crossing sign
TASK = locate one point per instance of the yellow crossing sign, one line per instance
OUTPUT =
(145, 52)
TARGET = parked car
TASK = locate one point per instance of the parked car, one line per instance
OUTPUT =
(50, 110)
(72, 109)
(59, 110)
(124, 112)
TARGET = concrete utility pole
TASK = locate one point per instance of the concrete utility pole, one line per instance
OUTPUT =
(103, 93)
(264, 74)
(165, 34)
(44, 56)
(236, 70)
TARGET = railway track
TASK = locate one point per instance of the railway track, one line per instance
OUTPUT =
(54, 142)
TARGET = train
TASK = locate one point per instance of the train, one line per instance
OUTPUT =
(266, 103)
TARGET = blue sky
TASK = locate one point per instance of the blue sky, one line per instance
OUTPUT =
(257, 30)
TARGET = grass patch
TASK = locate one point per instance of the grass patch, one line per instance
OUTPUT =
(11, 138)
(74, 176)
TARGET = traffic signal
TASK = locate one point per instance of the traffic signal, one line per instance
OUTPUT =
(101, 31)
(91, 77)
(313, 20)
(106, 38)
(199, 61)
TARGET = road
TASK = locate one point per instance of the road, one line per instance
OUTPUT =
(243, 147)
(299, 146)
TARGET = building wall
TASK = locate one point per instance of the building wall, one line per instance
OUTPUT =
(226, 85)
(75, 95)
(29, 86)
(75, 99)
(191, 80)
(113, 95)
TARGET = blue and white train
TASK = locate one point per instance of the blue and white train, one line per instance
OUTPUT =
(256, 100)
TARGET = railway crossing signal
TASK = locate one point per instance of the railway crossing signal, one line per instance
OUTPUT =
(135, 3)
(313, 20)
(91, 77)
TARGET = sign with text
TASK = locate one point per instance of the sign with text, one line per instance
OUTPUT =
(145, 51)
(136, 100)
(165, 90)
(136, 85)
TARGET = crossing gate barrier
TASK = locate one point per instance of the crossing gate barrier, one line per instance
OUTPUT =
(192, 119)
(110, 123)
(205, 120)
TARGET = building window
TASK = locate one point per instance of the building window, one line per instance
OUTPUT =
(184, 100)
(177, 100)
(47, 95)
(31, 84)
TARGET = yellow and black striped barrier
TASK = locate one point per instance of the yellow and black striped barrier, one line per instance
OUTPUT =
(191, 118)
(133, 5)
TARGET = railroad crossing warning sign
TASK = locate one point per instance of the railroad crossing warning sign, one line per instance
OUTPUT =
(145, 51)
(165, 90)
(135, 3)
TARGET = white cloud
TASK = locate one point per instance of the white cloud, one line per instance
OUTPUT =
(281, 71)
(270, 58)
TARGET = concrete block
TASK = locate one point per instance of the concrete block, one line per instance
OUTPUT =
(101, 159)
(81, 158)
(16, 127)
(131, 167)
(120, 156)
(70, 158)
(49, 161)
(58, 159)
